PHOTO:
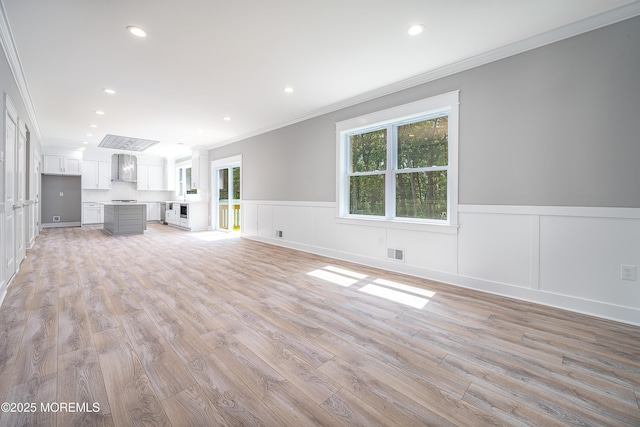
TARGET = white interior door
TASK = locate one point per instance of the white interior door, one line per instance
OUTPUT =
(11, 133)
(21, 182)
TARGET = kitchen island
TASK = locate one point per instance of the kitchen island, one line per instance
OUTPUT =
(125, 218)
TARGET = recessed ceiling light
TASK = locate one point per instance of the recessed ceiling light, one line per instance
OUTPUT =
(414, 30)
(288, 89)
(100, 113)
(89, 134)
(93, 126)
(85, 142)
(137, 31)
(226, 119)
(109, 91)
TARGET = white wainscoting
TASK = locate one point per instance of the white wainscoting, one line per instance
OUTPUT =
(567, 257)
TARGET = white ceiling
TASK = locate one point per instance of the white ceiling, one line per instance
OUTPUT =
(206, 59)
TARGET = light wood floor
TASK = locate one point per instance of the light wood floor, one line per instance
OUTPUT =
(177, 329)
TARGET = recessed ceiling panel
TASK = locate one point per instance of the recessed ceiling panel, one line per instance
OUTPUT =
(118, 142)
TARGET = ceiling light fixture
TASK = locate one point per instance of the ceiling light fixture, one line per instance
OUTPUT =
(226, 118)
(85, 142)
(93, 126)
(137, 31)
(288, 89)
(89, 134)
(109, 91)
(99, 112)
(414, 30)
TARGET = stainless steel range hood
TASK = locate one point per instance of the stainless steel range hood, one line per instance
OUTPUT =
(124, 168)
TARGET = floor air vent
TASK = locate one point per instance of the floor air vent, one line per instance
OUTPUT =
(397, 254)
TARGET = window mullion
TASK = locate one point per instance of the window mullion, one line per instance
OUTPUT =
(392, 165)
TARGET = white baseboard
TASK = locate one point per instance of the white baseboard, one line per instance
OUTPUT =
(61, 224)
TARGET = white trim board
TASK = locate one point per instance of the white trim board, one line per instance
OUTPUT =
(574, 211)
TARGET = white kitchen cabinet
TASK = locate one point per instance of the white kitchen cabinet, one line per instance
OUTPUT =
(143, 177)
(197, 216)
(172, 216)
(153, 211)
(59, 165)
(150, 177)
(92, 213)
(96, 175)
(200, 170)
(169, 175)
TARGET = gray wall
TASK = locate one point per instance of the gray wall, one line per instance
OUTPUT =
(68, 206)
(555, 126)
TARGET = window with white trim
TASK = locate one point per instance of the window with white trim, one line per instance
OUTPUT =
(400, 164)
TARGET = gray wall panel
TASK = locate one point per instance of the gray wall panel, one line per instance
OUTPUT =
(555, 126)
(68, 206)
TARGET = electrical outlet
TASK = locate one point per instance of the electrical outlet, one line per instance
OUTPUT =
(628, 272)
(61, 194)
(279, 233)
(56, 218)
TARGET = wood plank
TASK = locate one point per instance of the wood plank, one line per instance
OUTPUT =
(579, 406)
(233, 400)
(38, 352)
(102, 315)
(164, 369)
(13, 320)
(285, 400)
(80, 381)
(309, 380)
(131, 397)
(36, 391)
(382, 396)
(192, 408)
(74, 331)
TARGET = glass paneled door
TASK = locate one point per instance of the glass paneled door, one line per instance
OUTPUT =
(228, 200)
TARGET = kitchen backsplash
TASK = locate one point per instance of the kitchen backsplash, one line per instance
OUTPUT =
(126, 191)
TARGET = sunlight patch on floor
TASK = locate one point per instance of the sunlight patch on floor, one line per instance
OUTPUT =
(406, 288)
(408, 295)
(333, 277)
(393, 295)
(211, 236)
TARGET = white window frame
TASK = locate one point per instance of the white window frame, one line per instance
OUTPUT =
(427, 108)
(181, 186)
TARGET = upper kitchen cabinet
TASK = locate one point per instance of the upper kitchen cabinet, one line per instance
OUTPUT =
(200, 170)
(96, 175)
(150, 177)
(169, 174)
(59, 165)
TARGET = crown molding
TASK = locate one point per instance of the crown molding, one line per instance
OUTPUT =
(11, 53)
(604, 19)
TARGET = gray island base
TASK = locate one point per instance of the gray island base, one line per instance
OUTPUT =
(125, 218)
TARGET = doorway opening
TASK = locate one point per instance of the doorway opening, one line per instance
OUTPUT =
(227, 195)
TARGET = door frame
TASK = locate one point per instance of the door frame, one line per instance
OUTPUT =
(8, 218)
(227, 162)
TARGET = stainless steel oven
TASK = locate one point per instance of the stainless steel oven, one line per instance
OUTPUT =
(184, 211)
